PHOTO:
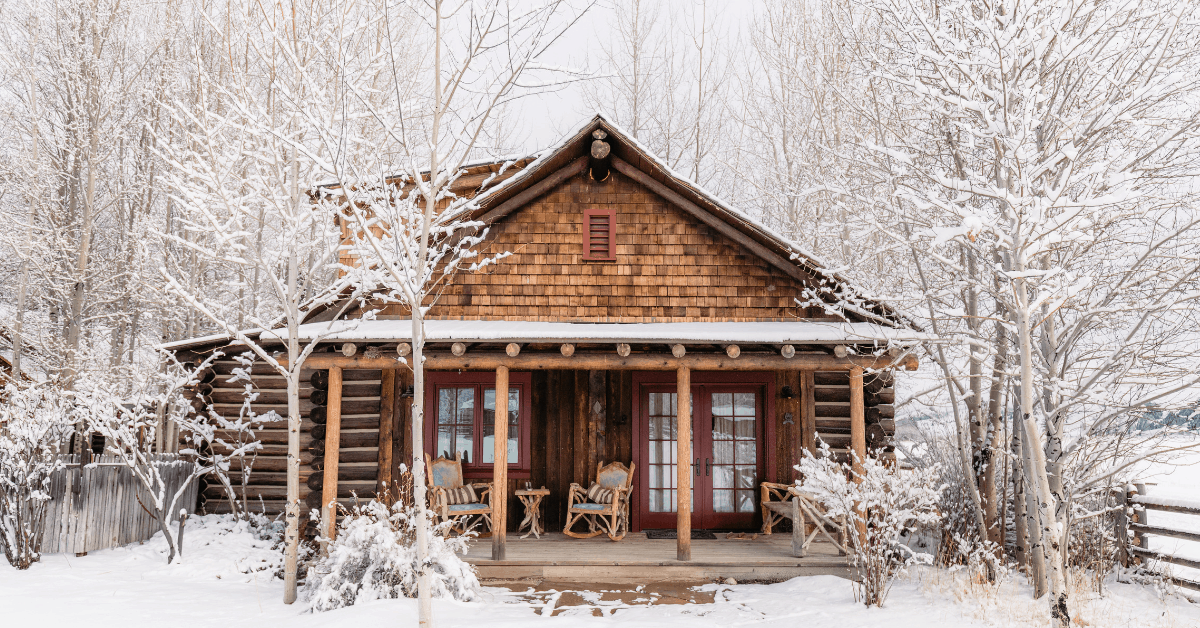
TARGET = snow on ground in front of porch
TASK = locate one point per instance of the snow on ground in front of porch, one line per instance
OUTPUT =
(225, 580)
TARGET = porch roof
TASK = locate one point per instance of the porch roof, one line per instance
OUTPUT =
(805, 332)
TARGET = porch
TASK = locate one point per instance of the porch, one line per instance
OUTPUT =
(639, 560)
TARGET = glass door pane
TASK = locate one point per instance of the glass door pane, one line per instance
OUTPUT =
(662, 452)
(734, 451)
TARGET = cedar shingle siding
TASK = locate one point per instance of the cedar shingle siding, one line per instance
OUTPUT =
(669, 266)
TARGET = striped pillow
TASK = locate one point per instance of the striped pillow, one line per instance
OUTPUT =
(461, 495)
(599, 494)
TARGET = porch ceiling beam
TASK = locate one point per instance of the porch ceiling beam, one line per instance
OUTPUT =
(534, 191)
(612, 362)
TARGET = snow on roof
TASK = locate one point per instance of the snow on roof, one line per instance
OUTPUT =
(787, 332)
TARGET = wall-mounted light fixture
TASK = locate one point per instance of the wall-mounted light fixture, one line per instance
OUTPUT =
(406, 393)
(786, 392)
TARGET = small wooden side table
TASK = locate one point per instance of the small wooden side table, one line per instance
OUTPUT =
(532, 499)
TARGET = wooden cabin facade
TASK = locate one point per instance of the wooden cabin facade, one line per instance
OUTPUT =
(629, 295)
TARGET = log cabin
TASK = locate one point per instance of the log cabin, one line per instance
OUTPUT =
(630, 296)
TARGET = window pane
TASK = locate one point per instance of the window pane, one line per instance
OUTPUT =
(722, 501)
(489, 425)
(663, 451)
(455, 421)
(745, 501)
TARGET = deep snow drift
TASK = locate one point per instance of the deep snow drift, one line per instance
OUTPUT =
(226, 579)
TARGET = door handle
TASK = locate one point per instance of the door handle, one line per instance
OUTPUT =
(697, 467)
(708, 466)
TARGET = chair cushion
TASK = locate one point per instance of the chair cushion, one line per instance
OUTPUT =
(461, 495)
(597, 507)
(462, 507)
(599, 494)
(612, 476)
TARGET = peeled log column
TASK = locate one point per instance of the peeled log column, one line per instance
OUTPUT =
(858, 433)
(333, 423)
(683, 519)
(500, 466)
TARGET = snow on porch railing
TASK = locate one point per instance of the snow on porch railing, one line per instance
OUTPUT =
(100, 504)
(1133, 520)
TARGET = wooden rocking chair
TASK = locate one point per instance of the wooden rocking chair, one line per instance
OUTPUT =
(609, 515)
(786, 501)
(448, 499)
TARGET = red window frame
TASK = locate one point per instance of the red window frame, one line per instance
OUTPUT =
(593, 249)
(519, 469)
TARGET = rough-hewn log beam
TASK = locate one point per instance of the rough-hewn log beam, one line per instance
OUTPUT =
(788, 267)
(536, 190)
(612, 362)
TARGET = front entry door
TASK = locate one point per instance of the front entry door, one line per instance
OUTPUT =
(727, 455)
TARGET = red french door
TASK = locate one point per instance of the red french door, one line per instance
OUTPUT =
(727, 454)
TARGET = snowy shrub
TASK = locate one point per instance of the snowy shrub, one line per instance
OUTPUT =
(936, 446)
(33, 425)
(375, 557)
(881, 507)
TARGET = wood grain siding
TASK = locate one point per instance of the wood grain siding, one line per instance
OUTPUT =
(669, 266)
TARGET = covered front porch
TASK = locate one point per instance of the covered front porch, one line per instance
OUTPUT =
(639, 560)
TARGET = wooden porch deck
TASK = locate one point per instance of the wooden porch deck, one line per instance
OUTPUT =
(636, 559)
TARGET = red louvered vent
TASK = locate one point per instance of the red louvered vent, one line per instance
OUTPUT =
(599, 235)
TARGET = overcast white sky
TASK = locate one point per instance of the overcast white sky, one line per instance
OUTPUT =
(544, 119)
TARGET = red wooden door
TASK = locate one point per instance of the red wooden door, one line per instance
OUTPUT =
(728, 460)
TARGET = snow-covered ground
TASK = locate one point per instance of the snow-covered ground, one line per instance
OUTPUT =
(225, 579)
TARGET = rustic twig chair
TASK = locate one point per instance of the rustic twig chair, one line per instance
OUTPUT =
(786, 501)
(604, 505)
(453, 500)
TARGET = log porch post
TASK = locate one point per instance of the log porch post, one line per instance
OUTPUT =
(500, 466)
(858, 433)
(387, 403)
(858, 426)
(333, 428)
(683, 420)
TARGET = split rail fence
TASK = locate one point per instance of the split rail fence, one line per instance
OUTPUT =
(101, 504)
(1133, 519)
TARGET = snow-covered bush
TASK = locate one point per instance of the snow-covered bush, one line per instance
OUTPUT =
(375, 557)
(34, 423)
(880, 506)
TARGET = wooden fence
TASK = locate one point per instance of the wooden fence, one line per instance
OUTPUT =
(1133, 519)
(96, 506)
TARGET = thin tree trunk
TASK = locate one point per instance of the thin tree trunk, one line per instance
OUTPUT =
(1046, 499)
(292, 508)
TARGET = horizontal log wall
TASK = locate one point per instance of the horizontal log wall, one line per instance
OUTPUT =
(267, 489)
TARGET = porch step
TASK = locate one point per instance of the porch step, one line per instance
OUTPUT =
(636, 559)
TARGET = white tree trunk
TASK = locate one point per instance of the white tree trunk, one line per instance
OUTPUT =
(292, 508)
(424, 597)
(1046, 500)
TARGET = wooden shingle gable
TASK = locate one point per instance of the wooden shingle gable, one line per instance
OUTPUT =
(667, 266)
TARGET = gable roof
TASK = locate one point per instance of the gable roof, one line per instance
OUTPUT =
(518, 181)
(569, 157)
